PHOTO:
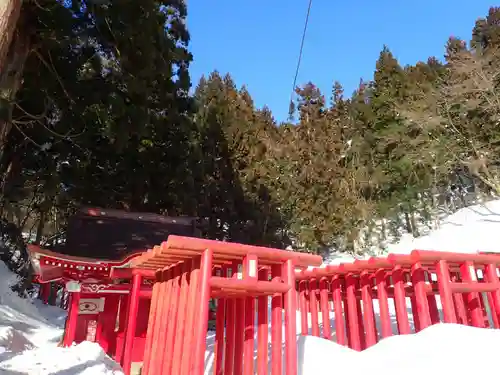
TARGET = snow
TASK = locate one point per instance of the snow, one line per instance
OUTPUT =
(30, 332)
(456, 349)
(29, 337)
(469, 230)
(84, 359)
(441, 348)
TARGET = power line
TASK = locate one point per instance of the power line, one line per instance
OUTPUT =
(300, 56)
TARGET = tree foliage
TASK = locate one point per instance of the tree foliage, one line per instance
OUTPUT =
(102, 115)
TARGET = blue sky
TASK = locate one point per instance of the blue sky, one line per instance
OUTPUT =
(257, 41)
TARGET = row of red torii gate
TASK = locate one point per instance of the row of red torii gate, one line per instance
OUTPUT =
(153, 307)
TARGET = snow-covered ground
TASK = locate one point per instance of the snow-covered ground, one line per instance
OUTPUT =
(30, 332)
(439, 349)
(469, 230)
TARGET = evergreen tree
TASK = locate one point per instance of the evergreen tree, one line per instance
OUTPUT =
(105, 98)
(486, 32)
(234, 171)
(104, 117)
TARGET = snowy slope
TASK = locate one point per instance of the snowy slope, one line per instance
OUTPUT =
(469, 230)
(29, 334)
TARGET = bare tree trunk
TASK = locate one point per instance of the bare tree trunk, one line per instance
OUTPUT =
(10, 11)
(414, 225)
(40, 227)
(11, 73)
(14, 50)
(408, 226)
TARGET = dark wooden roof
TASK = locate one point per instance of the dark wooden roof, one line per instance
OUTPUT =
(140, 216)
(114, 234)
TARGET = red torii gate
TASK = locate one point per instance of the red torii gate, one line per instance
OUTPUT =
(467, 285)
(189, 272)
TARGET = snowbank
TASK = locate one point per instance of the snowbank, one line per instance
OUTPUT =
(14, 341)
(38, 324)
(84, 359)
(318, 356)
(29, 334)
(469, 230)
(455, 348)
(442, 348)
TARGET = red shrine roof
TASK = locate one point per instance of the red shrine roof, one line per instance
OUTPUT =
(99, 240)
(52, 266)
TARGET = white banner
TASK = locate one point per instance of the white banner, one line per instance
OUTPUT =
(89, 306)
(73, 287)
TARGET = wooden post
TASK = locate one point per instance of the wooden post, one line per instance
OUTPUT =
(70, 332)
(131, 324)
